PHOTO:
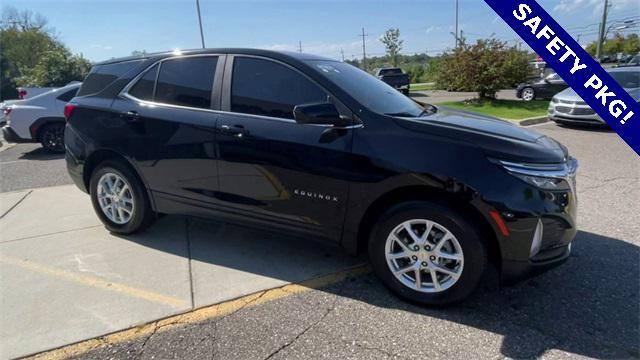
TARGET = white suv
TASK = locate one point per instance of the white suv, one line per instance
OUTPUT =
(39, 119)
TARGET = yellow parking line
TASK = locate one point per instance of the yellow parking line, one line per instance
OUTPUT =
(93, 281)
(201, 314)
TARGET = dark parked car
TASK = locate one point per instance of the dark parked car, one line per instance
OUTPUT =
(394, 77)
(317, 147)
(544, 88)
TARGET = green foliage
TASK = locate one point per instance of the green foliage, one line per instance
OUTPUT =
(55, 68)
(30, 54)
(392, 44)
(484, 67)
(619, 43)
(420, 67)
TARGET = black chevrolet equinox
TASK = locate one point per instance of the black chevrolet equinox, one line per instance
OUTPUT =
(317, 147)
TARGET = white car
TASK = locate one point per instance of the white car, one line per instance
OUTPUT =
(39, 119)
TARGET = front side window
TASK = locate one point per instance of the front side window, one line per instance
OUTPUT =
(367, 90)
(263, 87)
(186, 81)
(143, 88)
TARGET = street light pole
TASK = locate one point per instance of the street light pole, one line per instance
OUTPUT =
(456, 36)
(200, 22)
(603, 26)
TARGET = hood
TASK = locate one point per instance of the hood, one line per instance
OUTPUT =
(569, 95)
(497, 138)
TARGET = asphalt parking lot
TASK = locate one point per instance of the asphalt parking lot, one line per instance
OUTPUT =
(65, 279)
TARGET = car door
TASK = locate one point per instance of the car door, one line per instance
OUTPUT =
(555, 84)
(169, 116)
(272, 169)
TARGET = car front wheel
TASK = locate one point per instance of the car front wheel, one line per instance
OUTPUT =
(427, 253)
(528, 94)
(119, 198)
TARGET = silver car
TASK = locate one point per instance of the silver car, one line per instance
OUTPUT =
(567, 107)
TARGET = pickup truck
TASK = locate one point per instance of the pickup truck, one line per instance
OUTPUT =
(394, 77)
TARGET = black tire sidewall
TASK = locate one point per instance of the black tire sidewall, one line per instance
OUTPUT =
(474, 250)
(142, 211)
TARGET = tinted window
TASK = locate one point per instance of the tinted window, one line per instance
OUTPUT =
(263, 87)
(390, 71)
(367, 90)
(186, 81)
(143, 89)
(101, 76)
(68, 95)
(626, 79)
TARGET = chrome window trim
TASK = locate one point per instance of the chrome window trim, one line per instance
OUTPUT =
(180, 107)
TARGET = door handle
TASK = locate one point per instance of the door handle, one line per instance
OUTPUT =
(235, 130)
(131, 116)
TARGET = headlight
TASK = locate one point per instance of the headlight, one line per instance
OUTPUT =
(544, 176)
(555, 100)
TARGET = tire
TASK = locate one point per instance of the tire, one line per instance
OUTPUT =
(470, 268)
(51, 137)
(528, 94)
(405, 92)
(136, 213)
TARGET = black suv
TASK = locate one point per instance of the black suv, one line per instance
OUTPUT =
(318, 147)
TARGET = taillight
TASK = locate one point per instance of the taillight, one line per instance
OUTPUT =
(22, 94)
(6, 111)
(68, 110)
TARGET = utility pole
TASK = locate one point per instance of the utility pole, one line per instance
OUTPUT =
(603, 26)
(200, 22)
(456, 24)
(342, 53)
(364, 51)
(299, 46)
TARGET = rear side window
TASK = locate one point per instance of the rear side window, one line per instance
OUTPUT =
(143, 89)
(68, 95)
(102, 76)
(186, 81)
(264, 87)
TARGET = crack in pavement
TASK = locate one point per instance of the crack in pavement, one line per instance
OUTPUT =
(314, 324)
(16, 204)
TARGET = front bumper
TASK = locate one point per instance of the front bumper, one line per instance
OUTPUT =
(573, 112)
(11, 136)
(514, 271)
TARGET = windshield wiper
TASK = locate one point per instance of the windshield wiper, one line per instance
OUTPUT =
(403, 114)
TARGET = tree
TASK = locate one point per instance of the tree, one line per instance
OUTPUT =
(484, 67)
(392, 44)
(619, 43)
(31, 54)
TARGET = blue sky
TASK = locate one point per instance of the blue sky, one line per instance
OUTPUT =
(104, 29)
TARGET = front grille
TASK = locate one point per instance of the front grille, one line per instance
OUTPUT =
(575, 111)
(572, 102)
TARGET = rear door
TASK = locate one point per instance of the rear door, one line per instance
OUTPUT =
(167, 125)
(272, 169)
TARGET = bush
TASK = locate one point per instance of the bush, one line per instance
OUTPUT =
(484, 67)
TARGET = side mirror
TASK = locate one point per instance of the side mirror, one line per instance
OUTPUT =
(319, 114)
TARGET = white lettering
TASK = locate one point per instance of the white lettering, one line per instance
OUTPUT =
(617, 111)
(626, 118)
(604, 94)
(594, 82)
(546, 32)
(533, 23)
(577, 66)
(567, 54)
(554, 45)
(523, 10)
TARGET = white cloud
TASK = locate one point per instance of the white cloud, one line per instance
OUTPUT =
(597, 5)
(320, 48)
(101, 47)
(431, 29)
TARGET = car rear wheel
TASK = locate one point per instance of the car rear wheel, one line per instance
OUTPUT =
(119, 198)
(528, 94)
(52, 137)
(427, 253)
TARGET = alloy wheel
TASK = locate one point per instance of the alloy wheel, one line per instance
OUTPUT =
(528, 94)
(53, 138)
(115, 198)
(424, 255)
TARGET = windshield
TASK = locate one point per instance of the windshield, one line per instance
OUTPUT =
(626, 79)
(367, 90)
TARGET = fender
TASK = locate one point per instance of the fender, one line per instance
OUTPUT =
(40, 122)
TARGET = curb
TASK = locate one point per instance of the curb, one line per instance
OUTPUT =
(6, 146)
(533, 121)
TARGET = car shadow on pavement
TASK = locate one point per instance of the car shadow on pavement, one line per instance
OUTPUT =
(588, 306)
(40, 154)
